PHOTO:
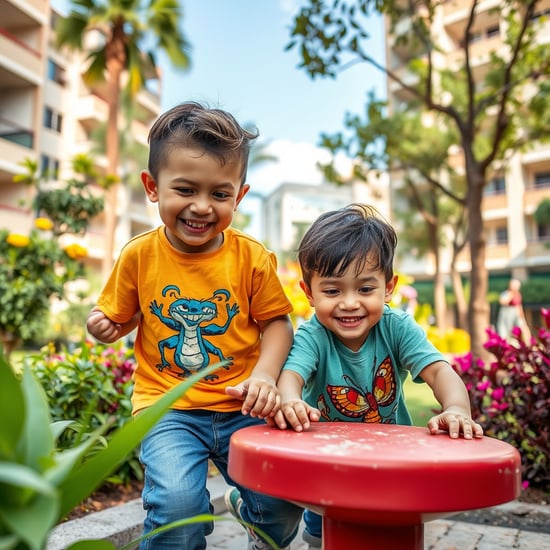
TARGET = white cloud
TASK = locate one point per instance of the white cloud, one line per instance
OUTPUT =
(289, 6)
(297, 163)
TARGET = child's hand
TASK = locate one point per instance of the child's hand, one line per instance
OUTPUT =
(455, 423)
(102, 328)
(260, 395)
(298, 414)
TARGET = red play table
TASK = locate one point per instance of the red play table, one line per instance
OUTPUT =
(375, 484)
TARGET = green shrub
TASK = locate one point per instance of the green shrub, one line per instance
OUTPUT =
(510, 397)
(39, 484)
(91, 386)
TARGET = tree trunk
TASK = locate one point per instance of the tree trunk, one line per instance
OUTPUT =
(478, 307)
(9, 342)
(440, 302)
(116, 61)
(461, 305)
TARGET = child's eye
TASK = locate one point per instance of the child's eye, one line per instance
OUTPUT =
(184, 191)
(330, 291)
(221, 195)
(366, 289)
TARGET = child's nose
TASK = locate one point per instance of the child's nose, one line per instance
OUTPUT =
(201, 205)
(349, 301)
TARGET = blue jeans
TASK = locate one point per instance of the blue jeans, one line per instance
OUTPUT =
(313, 523)
(175, 455)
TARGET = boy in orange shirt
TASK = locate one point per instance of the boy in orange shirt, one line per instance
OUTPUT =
(199, 292)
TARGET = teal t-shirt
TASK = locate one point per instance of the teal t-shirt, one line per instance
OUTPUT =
(366, 385)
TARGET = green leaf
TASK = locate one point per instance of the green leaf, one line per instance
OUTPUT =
(85, 479)
(67, 461)
(12, 410)
(57, 428)
(8, 542)
(33, 522)
(37, 441)
(92, 545)
(19, 482)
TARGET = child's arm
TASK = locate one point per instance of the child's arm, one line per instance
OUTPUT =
(451, 393)
(294, 410)
(259, 391)
(107, 331)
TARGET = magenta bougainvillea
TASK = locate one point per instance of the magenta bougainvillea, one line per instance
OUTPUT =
(510, 396)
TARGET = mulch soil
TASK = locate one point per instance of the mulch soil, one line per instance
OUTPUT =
(526, 517)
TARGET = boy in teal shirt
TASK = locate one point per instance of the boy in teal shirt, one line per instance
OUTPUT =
(349, 362)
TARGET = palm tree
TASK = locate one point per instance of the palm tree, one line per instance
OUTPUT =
(131, 32)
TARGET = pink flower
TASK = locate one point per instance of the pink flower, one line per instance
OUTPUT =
(497, 393)
(483, 386)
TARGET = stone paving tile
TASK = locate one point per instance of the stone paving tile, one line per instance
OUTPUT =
(438, 535)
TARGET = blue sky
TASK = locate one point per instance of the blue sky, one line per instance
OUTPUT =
(239, 64)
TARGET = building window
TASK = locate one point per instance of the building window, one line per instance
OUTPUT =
(542, 179)
(493, 31)
(543, 232)
(53, 119)
(49, 167)
(56, 72)
(496, 186)
(545, 13)
(501, 234)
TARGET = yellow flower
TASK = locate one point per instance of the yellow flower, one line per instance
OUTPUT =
(44, 224)
(20, 241)
(75, 251)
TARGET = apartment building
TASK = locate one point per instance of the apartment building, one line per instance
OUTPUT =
(290, 209)
(48, 115)
(516, 245)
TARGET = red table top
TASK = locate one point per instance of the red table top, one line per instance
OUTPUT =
(376, 470)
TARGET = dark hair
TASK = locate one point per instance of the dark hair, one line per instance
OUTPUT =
(338, 238)
(191, 124)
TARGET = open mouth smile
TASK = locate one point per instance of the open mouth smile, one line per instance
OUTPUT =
(349, 320)
(196, 225)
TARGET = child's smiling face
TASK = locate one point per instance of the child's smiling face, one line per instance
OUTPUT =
(351, 304)
(197, 197)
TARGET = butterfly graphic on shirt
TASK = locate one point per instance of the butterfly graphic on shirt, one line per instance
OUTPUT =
(355, 403)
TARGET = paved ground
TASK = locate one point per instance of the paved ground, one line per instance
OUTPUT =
(123, 524)
(438, 535)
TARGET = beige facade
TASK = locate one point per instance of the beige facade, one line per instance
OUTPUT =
(291, 208)
(515, 243)
(48, 115)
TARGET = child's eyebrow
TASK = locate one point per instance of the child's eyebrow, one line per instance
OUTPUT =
(371, 279)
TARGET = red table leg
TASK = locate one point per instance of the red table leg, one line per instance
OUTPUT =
(340, 535)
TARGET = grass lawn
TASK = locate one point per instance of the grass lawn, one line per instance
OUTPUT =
(420, 401)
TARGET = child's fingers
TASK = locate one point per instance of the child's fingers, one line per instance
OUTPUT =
(266, 403)
(455, 424)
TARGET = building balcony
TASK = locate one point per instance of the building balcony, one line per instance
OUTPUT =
(495, 201)
(149, 101)
(456, 12)
(91, 111)
(538, 252)
(25, 63)
(16, 145)
(533, 196)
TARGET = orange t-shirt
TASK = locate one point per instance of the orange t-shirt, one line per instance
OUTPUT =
(197, 309)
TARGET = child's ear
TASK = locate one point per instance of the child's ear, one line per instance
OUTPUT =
(150, 185)
(390, 287)
(240, 195)
(307, 292)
